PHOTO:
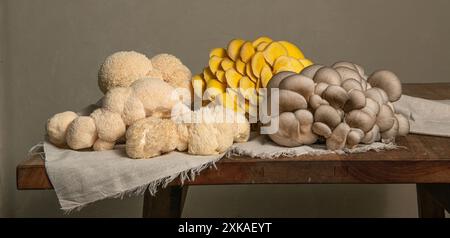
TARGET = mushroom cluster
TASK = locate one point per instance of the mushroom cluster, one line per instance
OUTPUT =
(135, 87)
(243, 67)
(207, 131)
(339, 104)
(121, 107)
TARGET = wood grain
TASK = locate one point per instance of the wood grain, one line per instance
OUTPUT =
(31, 174)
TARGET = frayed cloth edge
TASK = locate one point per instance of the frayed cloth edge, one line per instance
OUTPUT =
(152, 187)
(236, 151)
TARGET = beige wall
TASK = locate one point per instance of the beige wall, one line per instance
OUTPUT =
(55, 47)
(3, 166)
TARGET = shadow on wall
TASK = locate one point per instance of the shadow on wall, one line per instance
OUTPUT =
(4, 173)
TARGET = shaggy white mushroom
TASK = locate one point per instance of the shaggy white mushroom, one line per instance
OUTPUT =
(122, 68)
(199, 132)
(81, 133)
(57, 127)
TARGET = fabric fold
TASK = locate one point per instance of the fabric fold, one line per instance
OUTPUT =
(426, 117)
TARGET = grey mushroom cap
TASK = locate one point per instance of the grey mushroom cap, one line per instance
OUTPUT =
(371, 136)
(346, 64)
(347, 73)
(315, 101)
(389, 135)
(360, 71)
(294, 129)
(321, 129)
(288, 124)
(356, 100)
(377, 94)
(320, 88)
(387, 81)
(299, 84)
(291, 101)
(328, 115)
(276, 79)
(311, 70)
(372, 107)
(336, 96)
(340, 104)
(365, 85)
(403, 125)
(354, 137)
(350, 84)
(327, 75)
(338, 138)
(385, 118)
(360, 119)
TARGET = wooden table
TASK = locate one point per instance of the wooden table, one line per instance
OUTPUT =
(424, 161)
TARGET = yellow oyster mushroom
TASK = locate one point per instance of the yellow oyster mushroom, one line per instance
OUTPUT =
(262, 39)
(273, 51)
(234, 48)
(292, 50)
(219, 52)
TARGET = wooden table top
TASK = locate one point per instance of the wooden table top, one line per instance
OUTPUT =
(424, 159)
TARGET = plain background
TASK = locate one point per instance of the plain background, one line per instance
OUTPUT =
(50, 52)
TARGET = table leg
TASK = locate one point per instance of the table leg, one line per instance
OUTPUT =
(433, 200)
(167, 203)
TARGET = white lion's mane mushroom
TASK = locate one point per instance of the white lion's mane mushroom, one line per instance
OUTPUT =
(100, 145)
(57, 127)
(81, 133)
(148, 138)
(155, 95)
(110, 126)
(173, 71)
(124, 102)
(348, 107)
(122, 68)
(121, 107)
(153, 136)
